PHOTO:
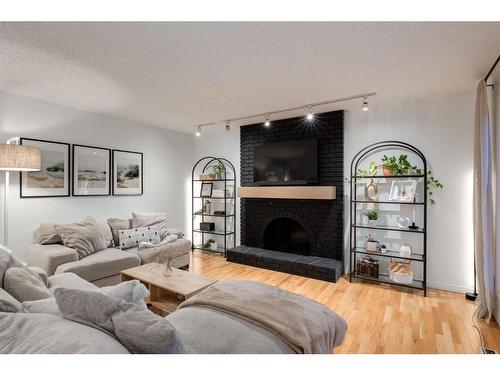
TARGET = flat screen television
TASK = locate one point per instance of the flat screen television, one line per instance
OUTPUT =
(286, 163)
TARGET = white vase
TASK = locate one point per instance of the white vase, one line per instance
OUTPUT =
(372, 223)
(213, 246)
(372, 246)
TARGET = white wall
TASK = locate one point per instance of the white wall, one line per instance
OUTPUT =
(442, 128)
(167, 163)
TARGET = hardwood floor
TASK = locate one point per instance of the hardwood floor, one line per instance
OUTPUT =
(381, 319)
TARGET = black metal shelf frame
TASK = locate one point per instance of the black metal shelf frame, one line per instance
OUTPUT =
(354, 227)
(229, 181)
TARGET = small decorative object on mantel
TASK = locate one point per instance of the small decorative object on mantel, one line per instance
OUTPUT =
(371, 244)
(371, 191)
(405, 250)
(367, 266)
(372, 216)
(400, 271)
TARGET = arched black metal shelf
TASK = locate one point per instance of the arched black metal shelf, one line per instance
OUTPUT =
(226, 234)
(355, 227)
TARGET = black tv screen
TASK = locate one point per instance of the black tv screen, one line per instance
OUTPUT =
(286, 163)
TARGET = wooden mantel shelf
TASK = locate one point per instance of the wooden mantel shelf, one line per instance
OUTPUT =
(287, 192)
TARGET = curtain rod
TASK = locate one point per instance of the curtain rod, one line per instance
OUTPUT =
(359, 96)
(492, 68)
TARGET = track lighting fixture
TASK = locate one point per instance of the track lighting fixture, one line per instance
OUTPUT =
(310, 114)
(267, 123)
(364, 106)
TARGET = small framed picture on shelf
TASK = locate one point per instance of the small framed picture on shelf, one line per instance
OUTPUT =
(403, 191)
(206, 189)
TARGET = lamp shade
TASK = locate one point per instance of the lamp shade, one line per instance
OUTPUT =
(20, 158)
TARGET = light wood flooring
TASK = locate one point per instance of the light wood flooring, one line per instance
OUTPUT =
(381, 319)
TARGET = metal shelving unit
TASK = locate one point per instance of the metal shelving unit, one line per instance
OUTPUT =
(356, 251)
(227, 233)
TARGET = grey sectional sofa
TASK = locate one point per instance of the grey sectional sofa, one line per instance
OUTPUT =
(103, 267)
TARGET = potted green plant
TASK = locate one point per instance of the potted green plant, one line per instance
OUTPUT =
(372, 216)
(211, 244)
(219, 170)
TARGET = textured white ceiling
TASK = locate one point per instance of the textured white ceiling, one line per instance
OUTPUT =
(176, 75)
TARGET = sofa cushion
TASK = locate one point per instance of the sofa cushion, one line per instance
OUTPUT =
(70, 280)
(102, 264)
(157, 219)
(161, 252)
(9, 303)
(46, 234)
(105, 230)
(42, 306)
(140, 331)
(23, 285)
(85, 237)
(6, 261)
(116, 225)
(51, 334)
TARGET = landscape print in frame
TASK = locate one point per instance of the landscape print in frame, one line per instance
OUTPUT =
(53, 180)
(91, 171)
(127, 173)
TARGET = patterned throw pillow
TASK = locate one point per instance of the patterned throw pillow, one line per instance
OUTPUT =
(133, 237)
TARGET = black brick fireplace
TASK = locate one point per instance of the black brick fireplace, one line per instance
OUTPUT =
(310, 231)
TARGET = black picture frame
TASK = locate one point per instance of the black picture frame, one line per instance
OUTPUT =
(73, 171)
(203, 184)
(118, 191)
(67, 173)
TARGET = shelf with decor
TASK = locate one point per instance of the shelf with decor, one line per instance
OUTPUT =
(409, 180)
(213, 198)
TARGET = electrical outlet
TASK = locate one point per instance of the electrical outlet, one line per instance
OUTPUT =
(487, 351)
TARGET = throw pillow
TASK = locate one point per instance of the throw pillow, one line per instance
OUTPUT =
(41, 306)
(84, 237)
(23, 285)
(117, 225)
(150, 219)
(134, 237)
(139, 331)
(46, 234)
(9, 303)
(6, 261)
(132, 291)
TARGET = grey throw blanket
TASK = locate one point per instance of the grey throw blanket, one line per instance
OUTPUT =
(305, 325)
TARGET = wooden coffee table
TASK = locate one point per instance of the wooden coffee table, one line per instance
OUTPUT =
(166, 293)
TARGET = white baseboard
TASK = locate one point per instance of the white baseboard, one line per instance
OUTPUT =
(448, 287)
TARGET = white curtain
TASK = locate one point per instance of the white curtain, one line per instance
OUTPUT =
(484, 199)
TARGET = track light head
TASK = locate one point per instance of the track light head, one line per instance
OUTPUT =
(267, 123)
(310, 114)
(365, 106)
(228, 126)
(198, 131)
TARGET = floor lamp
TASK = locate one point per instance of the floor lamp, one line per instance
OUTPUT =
(16, 157)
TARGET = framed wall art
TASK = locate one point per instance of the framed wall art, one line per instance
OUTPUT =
(127, 173)
(403, 191)
(206, 189)
(53, 180)
(91, 172)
